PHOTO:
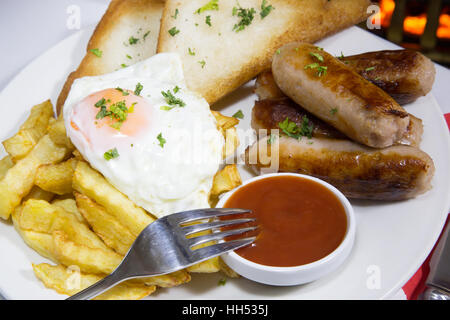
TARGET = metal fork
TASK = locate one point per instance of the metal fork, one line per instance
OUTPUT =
(162, 247)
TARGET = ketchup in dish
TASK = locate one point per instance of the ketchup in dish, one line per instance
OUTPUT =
(300, 221)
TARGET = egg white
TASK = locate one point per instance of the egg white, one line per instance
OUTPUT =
(161, 179)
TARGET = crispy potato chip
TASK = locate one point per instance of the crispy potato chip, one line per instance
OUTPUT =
(105, 225)
(18, 181)
(91, 183)
(167, 280)
(69, 281)
(70, 205)
(41, 216)
(5, 164)
(225, 180)
(31, 131)
(56, 178)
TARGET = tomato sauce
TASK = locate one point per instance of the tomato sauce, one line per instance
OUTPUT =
(300, 221)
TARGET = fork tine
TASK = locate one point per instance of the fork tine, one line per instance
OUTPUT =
(218, 235)
(188, 216)
(220, 248)
(215, 224)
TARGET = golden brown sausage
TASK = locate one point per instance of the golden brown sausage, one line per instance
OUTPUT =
(268, 113)
(404, 74)
(393, 173)
(332, 91)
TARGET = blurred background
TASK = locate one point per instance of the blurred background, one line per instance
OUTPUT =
(422, 25)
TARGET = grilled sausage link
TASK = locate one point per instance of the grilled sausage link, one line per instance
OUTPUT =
(268, 113)
(404, 74)
(335, 93)
(393, 173)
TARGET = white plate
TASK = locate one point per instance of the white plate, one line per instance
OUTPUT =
(392, 239)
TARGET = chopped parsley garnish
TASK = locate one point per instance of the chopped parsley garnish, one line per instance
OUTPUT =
(117, 111)
(174, 31)
(161, 140)
(123, 65)
(97, 52)
(321, 70)
(222, 282)
(171, 99)
(192, 53)
(239, 115)
(312, 66)
(176, 89)
(291, 129)
(166, 108)
(129, 57)
(278, 51)
(211, 5)
(133, 40)
(124, 93)
(370, 69)
(202, 63)
(208, 20)
(111, 154)
(176, 13)
(265, 9)
(317, 56)
(138, 89)
(146, 34)
(333, 111)
(246, 16)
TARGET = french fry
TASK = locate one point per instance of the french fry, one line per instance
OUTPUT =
(41, 216)
(57, 132)
(5, 164)
(89, 260)
(42, 243)
(38, 194)
(31, 131)
(70, 206)
(56, 178)
(225, 180)
(208, 266)
(91, 183)
(69, 282)
(104, 261)
(18, 181)
(227, 270)
(105, 225)
(231, 142)
(224, 122)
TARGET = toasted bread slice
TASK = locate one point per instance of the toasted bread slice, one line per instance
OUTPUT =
(219, 54)
(127, 33)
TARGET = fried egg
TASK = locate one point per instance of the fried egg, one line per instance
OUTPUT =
(150, 137)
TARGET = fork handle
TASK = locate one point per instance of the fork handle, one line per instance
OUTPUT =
(97, 288)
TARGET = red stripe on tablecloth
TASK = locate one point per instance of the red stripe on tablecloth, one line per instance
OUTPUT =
(416, 285)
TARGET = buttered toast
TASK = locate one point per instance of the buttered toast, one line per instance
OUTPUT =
(224, 44)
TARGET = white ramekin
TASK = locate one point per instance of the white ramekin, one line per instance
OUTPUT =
(287, 276)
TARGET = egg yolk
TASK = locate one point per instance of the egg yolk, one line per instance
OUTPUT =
(111, 113)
